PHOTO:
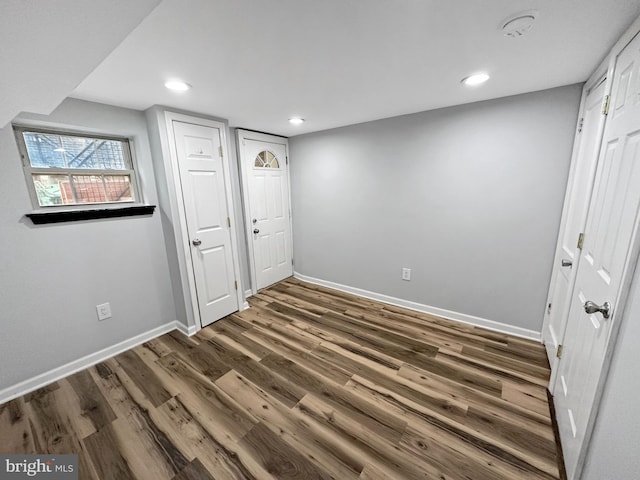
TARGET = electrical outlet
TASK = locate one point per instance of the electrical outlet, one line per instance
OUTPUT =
(104, 311)
(406, 274)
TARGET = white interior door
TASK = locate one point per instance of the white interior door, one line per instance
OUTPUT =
(266, 185)
(574, 217)
(201, 168)
(606, 258)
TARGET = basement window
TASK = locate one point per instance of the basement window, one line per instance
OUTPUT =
(76, 170)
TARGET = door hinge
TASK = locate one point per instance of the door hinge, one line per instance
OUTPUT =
(235, 284)
(228, 222)
(559, 351)
(549, 308)
(287, 159)
(220, 150)
(580, 240)
(580, 125)
(605, 105)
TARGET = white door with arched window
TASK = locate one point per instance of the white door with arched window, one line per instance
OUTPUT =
(265, 172)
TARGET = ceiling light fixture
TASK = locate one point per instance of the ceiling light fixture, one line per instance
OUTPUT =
(475, 79)
(296, 120)
(177, 85)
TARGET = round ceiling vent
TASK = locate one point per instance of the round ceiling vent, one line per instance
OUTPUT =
(518, 25)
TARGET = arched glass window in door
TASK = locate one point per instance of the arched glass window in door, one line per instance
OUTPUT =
(266, 159)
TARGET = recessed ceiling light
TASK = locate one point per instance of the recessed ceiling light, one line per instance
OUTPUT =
(177, 85)
(296, 120)
(475, 79)
(59, 149)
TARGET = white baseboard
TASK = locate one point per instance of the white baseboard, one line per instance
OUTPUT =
(87, 361)
(247, 294)
(419, 307)
(188, 331)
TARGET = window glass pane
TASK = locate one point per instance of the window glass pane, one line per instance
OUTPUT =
(89, 188)
(118, 188)
(266, 159)
(44, 150)
(65, 151)
(52, 189)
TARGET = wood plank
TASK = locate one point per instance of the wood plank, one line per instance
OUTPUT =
(359, 409)
(374, 449)
(144, 378)
(218, 413)
(219, 457)
(15, 432)
(289, 425)
(104, 450)
(284, 390)
(278, 458)
(53, 432)
(457, 433)
(529, 397)
(93, 405)
(194, 471)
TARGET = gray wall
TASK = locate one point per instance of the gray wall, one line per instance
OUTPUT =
(52, 277)
(468, 197)
(613, 453)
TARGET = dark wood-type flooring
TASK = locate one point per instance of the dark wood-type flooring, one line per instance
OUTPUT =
(309, 383)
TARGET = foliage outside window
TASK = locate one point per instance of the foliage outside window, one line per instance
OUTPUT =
(65, 169)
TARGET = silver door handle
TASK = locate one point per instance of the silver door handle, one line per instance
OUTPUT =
(256, 231)
(592, 307)
(566, 263)
(196, 242)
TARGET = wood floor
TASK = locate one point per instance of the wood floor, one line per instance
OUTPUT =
(309, 383)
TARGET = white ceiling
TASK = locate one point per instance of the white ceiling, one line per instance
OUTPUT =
(338, 62)
(49, 47)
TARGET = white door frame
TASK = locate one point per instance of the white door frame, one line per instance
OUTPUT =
(183, 242)
(620, 303)
(241, 135)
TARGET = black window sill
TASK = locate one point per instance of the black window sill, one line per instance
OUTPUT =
(79, 215)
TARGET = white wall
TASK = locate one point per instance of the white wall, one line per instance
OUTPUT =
(613, 453)
(468, 197)
(53, 276)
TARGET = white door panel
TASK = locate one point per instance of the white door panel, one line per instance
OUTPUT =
(266, 182)
(573, 222)
(605, 259)
(206, 211)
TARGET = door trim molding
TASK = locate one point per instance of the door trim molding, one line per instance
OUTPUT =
(183, 244)
(242, 135)
(419, 307)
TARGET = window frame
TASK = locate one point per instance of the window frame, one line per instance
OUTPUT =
(29, 170)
